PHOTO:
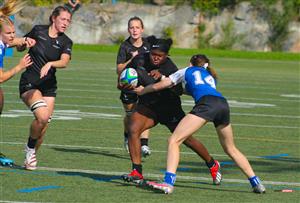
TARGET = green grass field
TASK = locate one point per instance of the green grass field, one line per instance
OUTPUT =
(83, 157)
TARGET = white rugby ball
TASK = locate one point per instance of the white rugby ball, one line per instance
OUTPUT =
(129, 76)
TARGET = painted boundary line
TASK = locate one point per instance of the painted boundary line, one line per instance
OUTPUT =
(122, 149)
(153, 175)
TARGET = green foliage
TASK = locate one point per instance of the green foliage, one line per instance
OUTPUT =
(206, 6)
(229, 37)
(119, 39)
(278, 20)
(203, 41)
(51, 2)
(168, 32)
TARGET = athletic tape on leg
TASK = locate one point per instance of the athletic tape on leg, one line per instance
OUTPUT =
(38, 104)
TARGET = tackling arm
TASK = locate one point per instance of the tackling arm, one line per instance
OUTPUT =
(165, 83)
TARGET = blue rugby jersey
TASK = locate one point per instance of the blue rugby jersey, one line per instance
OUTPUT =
(2, 53)
(198, 82)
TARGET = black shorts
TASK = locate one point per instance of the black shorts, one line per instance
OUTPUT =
(128, 97)
(212, 108)
(46, 87)
(166, 113)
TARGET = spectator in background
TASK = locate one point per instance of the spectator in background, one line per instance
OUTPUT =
(73, 5)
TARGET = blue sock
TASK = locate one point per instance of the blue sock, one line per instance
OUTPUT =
(254, 181)
(170, 178)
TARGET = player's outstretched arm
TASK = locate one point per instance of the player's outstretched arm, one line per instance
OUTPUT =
(164, 83)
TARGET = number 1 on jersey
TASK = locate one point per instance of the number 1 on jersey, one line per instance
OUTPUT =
(208, 79)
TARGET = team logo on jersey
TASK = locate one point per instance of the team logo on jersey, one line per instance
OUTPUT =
(29, 85)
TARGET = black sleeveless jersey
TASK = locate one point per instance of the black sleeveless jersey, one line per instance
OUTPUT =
(126, 48)
(45, 50)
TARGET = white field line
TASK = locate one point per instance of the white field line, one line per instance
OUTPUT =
(229, 98)
(153, 175)
(119, 149)
(6, 201)
(119, 107)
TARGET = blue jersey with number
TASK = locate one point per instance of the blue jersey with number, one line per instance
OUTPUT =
(2, 53)
(198, 82)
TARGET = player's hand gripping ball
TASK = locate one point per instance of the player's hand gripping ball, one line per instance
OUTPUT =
(129, 76)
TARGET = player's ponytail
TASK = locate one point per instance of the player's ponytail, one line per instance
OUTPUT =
(201, 60)
(9, 8)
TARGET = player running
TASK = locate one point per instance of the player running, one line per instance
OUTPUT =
(134, 46)
(210, 105)
(38, 84)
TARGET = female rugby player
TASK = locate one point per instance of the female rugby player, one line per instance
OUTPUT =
(200, 83)
(163, 107)
(38, 83)
(7, 39)
(134, 46)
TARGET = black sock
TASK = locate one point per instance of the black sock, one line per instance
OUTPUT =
(137, 167)
(31, 142)
(211, 163)
(125, 135)
(144, 141)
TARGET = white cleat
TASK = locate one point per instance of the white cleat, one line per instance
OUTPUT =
(30, 162)
(163, 187)
(145, 151)
(259, 188)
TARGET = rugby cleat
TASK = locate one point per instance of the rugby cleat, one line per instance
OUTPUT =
(134, 177)
(259, 188)
(163, 187)
(30, 162)
(215, 172)
(145, 151)
(4, 161)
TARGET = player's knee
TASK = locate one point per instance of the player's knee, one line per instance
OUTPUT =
(41, 117)
(173, 141)
(42, 120)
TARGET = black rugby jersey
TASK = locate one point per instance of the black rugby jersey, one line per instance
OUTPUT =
(45, 50)
(166, 69)
(126, 48)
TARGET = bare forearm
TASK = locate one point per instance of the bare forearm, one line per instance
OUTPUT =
(165, 83)
(122, 66)
(59, 64)
(4, 76)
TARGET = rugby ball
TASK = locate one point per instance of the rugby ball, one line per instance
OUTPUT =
(129, 76)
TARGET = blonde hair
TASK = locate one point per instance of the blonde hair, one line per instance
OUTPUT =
(9, 8)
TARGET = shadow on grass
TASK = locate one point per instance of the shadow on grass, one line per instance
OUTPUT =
(87, 151)
(279, 165)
